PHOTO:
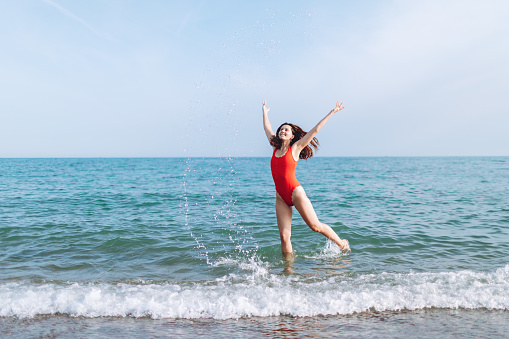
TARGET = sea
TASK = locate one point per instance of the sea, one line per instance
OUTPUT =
(187, 247)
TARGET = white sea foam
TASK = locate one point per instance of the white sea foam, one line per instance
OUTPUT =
(263, 295)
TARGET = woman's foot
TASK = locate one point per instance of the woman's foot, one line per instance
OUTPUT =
(289, 256)
(345, 245)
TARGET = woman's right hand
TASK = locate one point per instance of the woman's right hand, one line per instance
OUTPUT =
(266, 123)
(264, 108)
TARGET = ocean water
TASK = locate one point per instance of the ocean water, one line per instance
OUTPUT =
(170, 246)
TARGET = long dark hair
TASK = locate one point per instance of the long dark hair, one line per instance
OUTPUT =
(307, 152)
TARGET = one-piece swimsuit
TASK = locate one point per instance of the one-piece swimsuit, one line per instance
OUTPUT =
(283, 173)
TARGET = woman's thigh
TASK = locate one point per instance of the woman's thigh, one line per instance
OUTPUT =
(284, 215)
(304, 206)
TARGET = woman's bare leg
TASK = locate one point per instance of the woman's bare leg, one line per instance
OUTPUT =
(284, 223)
(307, 212)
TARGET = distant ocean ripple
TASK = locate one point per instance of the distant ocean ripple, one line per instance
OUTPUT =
(197, 238)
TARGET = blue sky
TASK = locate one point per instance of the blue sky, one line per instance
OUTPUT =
(187, 78)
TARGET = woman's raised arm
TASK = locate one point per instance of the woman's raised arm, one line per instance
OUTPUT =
(300, 144)
(266, 123)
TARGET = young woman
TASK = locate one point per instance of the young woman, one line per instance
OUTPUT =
(291, 143)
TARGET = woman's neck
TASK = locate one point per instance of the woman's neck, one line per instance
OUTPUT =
(285, 145)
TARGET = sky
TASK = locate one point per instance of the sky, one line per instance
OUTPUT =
(108, 78)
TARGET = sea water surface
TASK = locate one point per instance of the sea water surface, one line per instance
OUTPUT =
(170, 246)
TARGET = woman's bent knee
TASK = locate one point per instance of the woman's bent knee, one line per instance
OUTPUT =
(317, 227)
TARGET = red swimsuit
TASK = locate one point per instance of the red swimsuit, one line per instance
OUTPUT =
(283, 173)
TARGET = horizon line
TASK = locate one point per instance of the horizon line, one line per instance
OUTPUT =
(244, 156)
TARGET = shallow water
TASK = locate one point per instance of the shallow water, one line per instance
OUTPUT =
(135, 240)
(441, 323)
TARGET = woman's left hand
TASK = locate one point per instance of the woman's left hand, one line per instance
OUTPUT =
(338, 107)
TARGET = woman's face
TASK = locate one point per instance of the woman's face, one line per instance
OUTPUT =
(285, 133)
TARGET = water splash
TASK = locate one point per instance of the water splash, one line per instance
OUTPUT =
(329, 251)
